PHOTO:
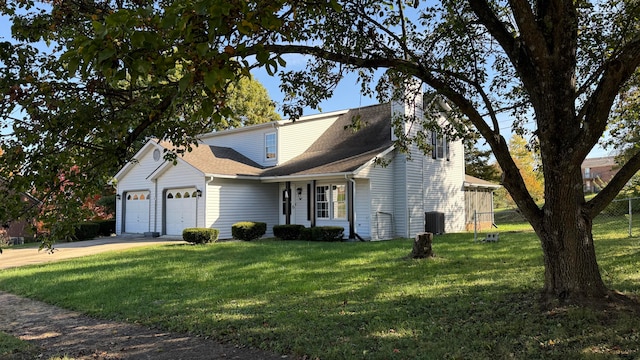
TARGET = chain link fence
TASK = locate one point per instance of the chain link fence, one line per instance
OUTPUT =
(621, 217)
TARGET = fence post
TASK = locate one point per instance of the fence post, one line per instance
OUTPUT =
(630, 218)
(475, 225)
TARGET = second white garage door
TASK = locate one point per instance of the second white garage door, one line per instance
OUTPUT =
(180, 210)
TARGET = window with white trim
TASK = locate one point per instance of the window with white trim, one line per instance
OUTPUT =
(270, 146)
(331, 201)
(322, 202)
(440, 146)
(339, 203)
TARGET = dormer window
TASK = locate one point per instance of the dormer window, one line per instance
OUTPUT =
(270, 146)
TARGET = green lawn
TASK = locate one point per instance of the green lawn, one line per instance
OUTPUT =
(350, 300)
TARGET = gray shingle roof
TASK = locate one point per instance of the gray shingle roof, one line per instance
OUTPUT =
(339, 149)
(218, 160)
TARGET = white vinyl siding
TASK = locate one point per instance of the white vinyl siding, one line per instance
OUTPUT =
(362, 214)
(249, 142)
(382, 194)
(230, 201)
(295, 138)
(136, 179)
(443, 186)
(400, 218)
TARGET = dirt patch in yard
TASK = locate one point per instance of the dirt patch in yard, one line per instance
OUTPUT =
(56, 332)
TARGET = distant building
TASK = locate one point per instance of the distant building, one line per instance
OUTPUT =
(597, 172)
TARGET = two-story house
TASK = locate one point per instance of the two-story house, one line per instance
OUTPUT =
(315, 171)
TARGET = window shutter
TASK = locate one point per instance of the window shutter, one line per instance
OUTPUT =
(434, 145)
(446, 147)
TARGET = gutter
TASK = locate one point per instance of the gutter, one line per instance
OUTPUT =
(267, 179)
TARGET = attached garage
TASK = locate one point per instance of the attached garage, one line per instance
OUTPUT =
(180, 210)
(136, 209)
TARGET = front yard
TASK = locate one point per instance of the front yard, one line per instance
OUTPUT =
(350, 300)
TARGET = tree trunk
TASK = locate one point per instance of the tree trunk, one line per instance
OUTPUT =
(422, 246)
(571, 269)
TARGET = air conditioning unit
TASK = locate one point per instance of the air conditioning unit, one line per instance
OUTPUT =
(434, 222)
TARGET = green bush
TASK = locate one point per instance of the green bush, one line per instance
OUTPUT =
(306, 234)
(288, 232)
(327, 233)
(107, 227)
(248, 230)
(86, 231)
(200, 235)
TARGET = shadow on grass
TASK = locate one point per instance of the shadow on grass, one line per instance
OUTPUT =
(345, 300)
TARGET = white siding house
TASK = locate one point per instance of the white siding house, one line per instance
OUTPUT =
(315, 171)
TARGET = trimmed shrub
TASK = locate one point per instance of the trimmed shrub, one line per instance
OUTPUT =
(248, 230)
(200, 235)
(306, 234)
(287, 232)
(86, 231)
(327, 233)
(107, 227)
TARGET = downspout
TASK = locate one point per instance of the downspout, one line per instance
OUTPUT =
(313, 203)
(155, 206)
(351, 207)
(287, 211)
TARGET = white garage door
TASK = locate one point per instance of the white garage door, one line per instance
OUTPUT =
(136, 212)
(181, 210)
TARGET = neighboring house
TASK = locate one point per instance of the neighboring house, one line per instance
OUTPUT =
(597, 172)
(478, 200)
(19, 228)
(314, 172)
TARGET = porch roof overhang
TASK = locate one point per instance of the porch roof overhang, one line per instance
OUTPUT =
(476, 183)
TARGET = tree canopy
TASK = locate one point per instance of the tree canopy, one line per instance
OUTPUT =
(114, 74)
(556, 66)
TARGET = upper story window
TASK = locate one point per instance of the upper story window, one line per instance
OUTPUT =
(440, 146)
(587, 173)
(270, 146)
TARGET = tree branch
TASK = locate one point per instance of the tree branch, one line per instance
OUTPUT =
(619, 180)
(597, 108)
(513, 180)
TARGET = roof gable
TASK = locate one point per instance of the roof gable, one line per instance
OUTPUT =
(216, 160)
(340, 148)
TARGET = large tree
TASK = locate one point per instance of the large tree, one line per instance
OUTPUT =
(562, 63)
(84, 83)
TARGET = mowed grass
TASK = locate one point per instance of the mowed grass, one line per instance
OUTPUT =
(350, 300)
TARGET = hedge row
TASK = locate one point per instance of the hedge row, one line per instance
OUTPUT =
(317, 233)
(251, 230)
(248, 230)
(92, 229)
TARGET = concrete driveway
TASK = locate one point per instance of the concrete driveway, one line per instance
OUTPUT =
(19, 257)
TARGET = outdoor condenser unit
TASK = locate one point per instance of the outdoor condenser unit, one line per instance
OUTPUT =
(434, 222)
